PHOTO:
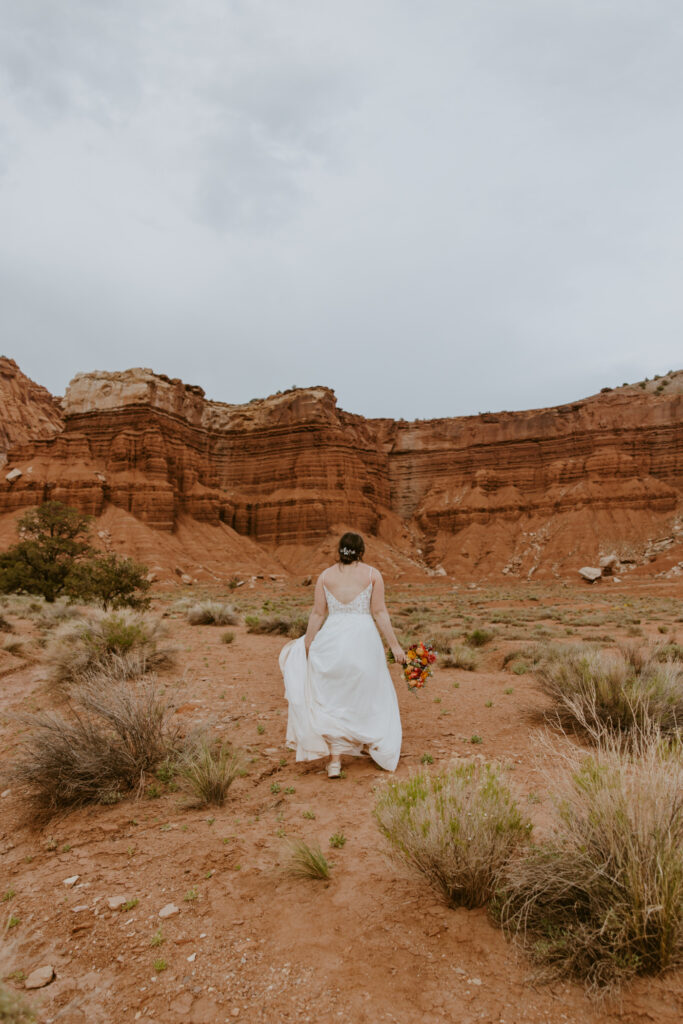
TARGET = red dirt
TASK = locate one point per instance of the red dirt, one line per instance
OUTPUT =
(373, 944)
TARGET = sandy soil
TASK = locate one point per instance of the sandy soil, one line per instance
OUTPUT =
(250, 942)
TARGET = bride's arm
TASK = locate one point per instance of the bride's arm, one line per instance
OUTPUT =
(381, 617)
(318, 612)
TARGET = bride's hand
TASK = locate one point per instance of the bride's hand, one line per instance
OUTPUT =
(399, 655)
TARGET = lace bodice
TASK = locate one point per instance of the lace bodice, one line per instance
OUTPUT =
(359, 606)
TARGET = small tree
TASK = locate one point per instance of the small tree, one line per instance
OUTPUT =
(53, 557)
(53, 537)
(112, 582)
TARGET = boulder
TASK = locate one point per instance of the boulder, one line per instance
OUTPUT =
(13, 475)
(41, 977)
(590, 573)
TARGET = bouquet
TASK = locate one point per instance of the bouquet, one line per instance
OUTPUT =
(417, 669)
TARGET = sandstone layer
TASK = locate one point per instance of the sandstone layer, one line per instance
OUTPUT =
(27, 411)
(512, 492)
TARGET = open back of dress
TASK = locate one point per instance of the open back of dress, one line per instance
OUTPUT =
(342, 698)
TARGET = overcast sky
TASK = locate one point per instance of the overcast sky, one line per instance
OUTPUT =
(435, 208)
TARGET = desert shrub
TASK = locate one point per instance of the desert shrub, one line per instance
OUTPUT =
(19, 646)
(111, 734)
(602, 899)
(479, 637)
(593, 689)
(441, 642)
(212, 613)
(457, 827)
(227, 637)
(308, 861)
(13, 1009)
(61, 610)
(126, 643)
(208, 769)
(281, 625)
(669, 652)
(460, 656)
(5, 625)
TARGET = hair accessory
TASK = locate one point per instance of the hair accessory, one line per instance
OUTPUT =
(347, 551)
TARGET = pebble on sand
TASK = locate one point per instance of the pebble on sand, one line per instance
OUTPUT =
(41, 977)
(169, 910)
(116, 902)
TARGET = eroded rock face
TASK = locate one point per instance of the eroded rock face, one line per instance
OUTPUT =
(514, 492)
(26, 410)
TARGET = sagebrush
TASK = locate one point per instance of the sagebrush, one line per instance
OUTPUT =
(620, 691)
(601, 899)
(124, 643)
(110, 735)
(458, 827)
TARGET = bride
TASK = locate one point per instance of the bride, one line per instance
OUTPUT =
(340, 694)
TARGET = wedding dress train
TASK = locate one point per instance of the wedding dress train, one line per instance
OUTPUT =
(342, 698)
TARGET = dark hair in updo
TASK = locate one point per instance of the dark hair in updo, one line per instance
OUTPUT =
(351, 548)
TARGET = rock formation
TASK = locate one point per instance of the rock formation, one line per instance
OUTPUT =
(28, 411)
(512, 492)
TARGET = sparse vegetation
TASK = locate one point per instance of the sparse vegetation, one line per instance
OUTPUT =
(111, 736)
(308, 861)
(460, 656)
(122, 644)
(208, 769)
(212, 613)
(458, 827)
(602, 899)
(13, 1009)
(338, 840)
(281, 625)
(479, 637)
(227, 637)
(594, 689)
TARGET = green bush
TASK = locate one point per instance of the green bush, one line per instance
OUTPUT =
(457, 827)
(479, 637)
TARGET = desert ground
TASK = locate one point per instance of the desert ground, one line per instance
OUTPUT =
(249, 941)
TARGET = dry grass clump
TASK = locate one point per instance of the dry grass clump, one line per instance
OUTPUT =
(479, 637)
(459, 656)
(441, 642)
(281, 625)
(13, 1010)
(602, 899)
(212, 613)
(308, 861)
(593, 689)
(208, 769)
(61, 610)
(124, 643)
(5, 625)
(457, 827)
(112, 734)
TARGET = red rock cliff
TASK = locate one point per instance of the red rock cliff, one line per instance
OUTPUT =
(26, 409)
(505, 491)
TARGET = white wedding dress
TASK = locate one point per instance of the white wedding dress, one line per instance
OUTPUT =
(342, 698)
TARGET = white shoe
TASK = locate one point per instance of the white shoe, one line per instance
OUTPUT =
(334, 770)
